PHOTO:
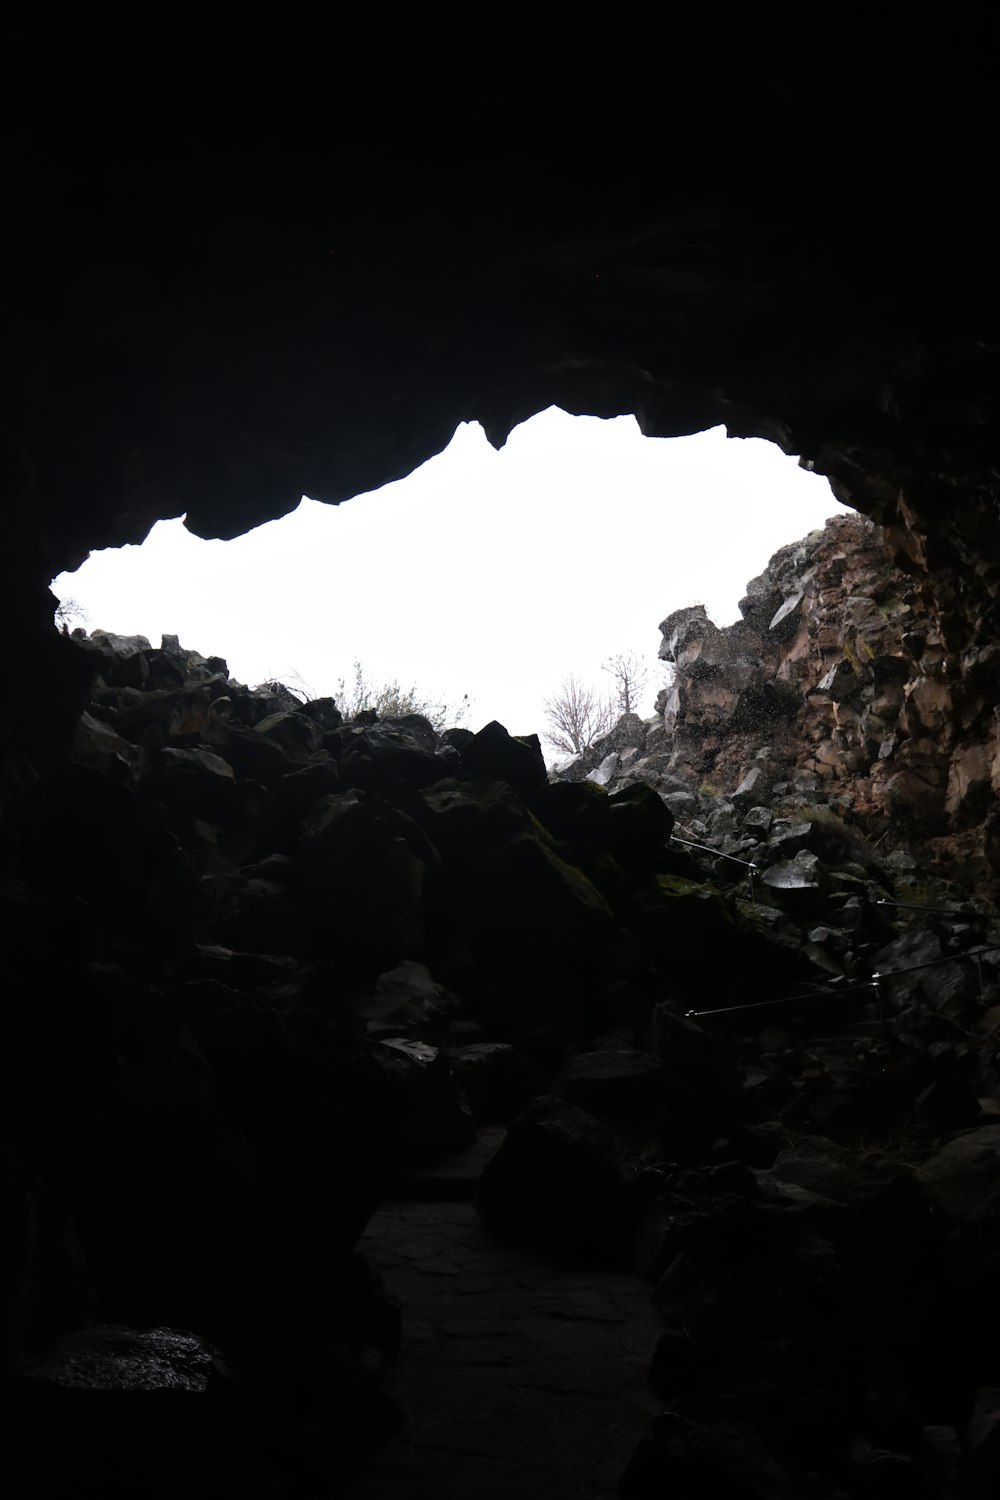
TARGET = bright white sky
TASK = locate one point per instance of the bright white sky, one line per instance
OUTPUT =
(492, 574)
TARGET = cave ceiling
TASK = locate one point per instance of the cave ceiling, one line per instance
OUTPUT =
(256, 256)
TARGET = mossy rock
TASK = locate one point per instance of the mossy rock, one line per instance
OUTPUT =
(524, 900)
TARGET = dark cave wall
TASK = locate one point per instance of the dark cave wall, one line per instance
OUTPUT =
(263, 259)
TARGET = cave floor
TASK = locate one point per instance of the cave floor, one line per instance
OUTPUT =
(520, 1378)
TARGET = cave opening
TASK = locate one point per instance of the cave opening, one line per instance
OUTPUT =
(480, 582)
(257, 261)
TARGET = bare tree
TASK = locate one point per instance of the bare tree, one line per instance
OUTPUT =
(630, 675)
(576, 716)
(69, 614)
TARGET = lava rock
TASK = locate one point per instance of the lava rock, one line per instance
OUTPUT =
(496, 1079)
(962, 1180)
(556, 1183)
(498, 756)
(437, 1120)
(408, 1002)
(114, 1411)
(610, 1082)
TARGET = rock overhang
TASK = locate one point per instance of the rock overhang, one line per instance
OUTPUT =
(299, 258)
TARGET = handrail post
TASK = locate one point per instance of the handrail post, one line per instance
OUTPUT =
(878, 987)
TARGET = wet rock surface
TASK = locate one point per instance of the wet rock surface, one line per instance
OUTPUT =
(856, 701)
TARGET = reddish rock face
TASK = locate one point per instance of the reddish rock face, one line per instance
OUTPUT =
(847, 676)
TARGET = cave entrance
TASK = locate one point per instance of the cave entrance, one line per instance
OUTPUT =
(482, 580)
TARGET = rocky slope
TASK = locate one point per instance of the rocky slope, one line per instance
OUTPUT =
(845, 683)
(300, 961)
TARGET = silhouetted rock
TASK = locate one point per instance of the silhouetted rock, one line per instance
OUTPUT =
(495, 1078)
(555, 1182)
(498, 756)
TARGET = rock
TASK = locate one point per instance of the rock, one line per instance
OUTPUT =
(983, 1441)
(555, 1183)
(197, 780)
(610, 1082)
(783, 623)
(942, 1450)
(495, 1078)
(113, 1410)
(691, 1054)
(437, 1120)
(758, 820)
(300, 790)
(750, 785)
(578, 814)
(524, 900)
(254, 756)
(408, 1002)
(118, 1360)
(120, 645)
(802, 881)
(947, 1105)
(393, 755)
(96, 745)
(498, 756)
(296, 732)
(628, 733)
(962, 1180)
(324, 712)
(789, 839)
(841, 682)
(681, 804)
(604, 772)
(468, 819)
(639, 826)
(366, 868)
(853, 1179)
(701, 1460)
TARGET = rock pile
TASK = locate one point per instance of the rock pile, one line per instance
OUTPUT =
(299, 959)
(844, 683)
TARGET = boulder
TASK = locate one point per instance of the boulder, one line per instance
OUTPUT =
(408, 1002)
(97, 745)
(116, 1411)
(498, 756)
(496, 1079)
(610, 1082)
(436, 1119)
(366, 869)
(556, 1183)
(639, 826)
(962, 1180)
(524, 901)
(800, 884)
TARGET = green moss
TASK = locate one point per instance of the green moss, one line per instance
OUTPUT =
(836, 841)
(679, 886)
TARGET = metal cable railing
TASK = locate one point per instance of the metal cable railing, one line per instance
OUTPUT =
(875, 983)
(877, 979)
(753, 870)
(747, 864)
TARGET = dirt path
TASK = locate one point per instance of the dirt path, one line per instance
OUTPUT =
(520, 1379)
